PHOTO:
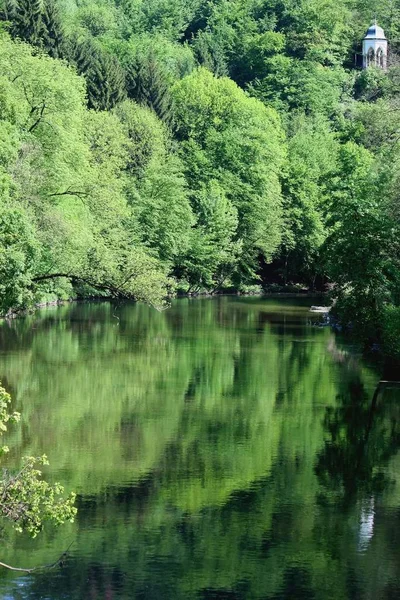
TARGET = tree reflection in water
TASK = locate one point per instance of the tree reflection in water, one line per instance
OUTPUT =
(222, 449)
(362, 434)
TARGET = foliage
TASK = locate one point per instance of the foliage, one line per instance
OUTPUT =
(28, 22)
(236, 141)
(25, 499)
(18, 254)
(104, 76)
(312, 152)
(65, 177)
(214, 250)
(299, 85)
(5, 415)
(363, 245)
(147, 83)
(156, 188)
(53, 37)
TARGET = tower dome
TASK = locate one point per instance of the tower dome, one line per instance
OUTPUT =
(375, 48)
(375, 33)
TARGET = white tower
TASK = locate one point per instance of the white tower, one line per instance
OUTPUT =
(375, 48)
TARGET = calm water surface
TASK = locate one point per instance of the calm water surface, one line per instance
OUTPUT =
(224, 449)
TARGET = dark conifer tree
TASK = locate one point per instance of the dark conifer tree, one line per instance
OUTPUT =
(80, 53)
(28, 22)
(147, 84)
(109, 79)
(53, 35)
(8, 11)
(105, 79)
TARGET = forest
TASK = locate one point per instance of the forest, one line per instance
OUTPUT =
(150, 147)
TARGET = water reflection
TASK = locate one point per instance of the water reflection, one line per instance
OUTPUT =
(223, 449)
(362, 434)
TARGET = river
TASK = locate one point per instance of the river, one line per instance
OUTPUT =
(224, 449)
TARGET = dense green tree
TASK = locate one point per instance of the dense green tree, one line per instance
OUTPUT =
(147, 135)
(312, 150)
(105, 82)
(174, 60)
(97, 19)
(362, 249)
(245, 32)
(65, 176)
(28, 21)
(147, 83)
(292, 84)
(170, 18)
(18, 258)
(105, 78)
(53, 33)
(222, 133)
(214, 251)
(162, 212)
(8, 11)
(155, 185)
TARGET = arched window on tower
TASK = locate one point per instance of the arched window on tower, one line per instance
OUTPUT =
(380, 58)
(370, 57)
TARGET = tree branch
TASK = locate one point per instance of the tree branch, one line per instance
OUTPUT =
(114, 290)
(69, 193)
(58, 563)
(40, 117)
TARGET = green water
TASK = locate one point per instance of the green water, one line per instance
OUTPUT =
(223, 449)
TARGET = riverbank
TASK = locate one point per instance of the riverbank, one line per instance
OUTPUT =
(180, 294)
